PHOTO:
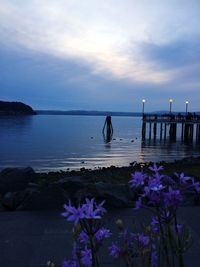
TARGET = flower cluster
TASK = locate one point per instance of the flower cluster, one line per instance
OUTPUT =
(163, 195)
(88, 232)
(162, 243)
(133, 248)
(89, 210)
(160, 190)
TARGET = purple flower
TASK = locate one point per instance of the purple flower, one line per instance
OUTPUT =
(196, 186)
(143, 240)
(182, 178)
(76, 214)
(172, 198)
(100, 207)
(138, 203)
(86, 257)
(68, 209)
(70, 264)
(72, 213)
(154, 225)
(83, 237)
(155, 168)
(102, 233)
(154, 184)
(138, 179)
(154, 198)
(180, 228)
(114, 250)
(89, 210)
(92, 210)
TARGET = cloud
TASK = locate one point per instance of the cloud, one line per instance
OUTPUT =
(177, 54)
(109, 48)
(68, 29)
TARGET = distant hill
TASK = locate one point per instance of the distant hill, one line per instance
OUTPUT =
(101, 113)
(88, 113)
(15, 108)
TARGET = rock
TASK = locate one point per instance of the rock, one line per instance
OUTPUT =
(54, 195)
(78, 188)
(116, 195)
(75, 180)
(48, 198)
(16, 179)
(72, 184)
(8, 201)
(18, 200)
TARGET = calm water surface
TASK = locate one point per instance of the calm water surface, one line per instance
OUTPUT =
(58, 142)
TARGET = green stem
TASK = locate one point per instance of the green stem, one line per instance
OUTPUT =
(164, 243)
(180, 254)
(92, 250)
(171, 244)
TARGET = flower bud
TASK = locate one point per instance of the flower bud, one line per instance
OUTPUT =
(76, 230)
(50, 264)
(148, 229)
(119, 223)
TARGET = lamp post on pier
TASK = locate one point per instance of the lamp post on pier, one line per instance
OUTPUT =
(143, 102)
(186, 107)
(170, 105)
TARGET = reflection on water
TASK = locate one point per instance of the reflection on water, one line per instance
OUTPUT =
(168, 150)
(107, 139)
(15, 123)
(62, 142)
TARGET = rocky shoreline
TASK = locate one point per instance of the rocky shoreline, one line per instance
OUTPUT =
(24, 189)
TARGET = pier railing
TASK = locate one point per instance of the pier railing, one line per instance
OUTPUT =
(171, 118)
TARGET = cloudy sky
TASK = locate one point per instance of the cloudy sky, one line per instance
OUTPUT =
(100, 55)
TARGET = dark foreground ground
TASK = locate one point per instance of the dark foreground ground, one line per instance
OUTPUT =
(30, 239)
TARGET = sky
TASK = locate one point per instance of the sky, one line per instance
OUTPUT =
(100, 54)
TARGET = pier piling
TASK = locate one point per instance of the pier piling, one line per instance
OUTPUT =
(189, 126)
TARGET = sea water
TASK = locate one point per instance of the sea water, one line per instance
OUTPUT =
(63, 142)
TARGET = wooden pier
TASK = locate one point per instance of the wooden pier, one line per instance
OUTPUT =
(170, 125)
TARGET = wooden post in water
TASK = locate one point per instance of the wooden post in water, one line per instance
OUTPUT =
(186, 132)
(165, 132)
(191, 131)
(171, 131)
(198, 133)
(174, 129)
(143, 131)
(182, 131)
(161, 130)
(154, 130)
(150, 130)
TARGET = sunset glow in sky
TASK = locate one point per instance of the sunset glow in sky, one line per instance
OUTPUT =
(100, 55)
